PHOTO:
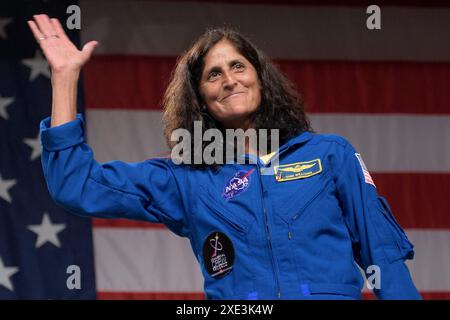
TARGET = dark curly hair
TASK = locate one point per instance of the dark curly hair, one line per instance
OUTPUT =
(281, 106)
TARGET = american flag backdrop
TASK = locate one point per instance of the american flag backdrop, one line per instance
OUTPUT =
(386, 90)
(39, 242)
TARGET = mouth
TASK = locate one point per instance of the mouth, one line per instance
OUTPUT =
(230, 95)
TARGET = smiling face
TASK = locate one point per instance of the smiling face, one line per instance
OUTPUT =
(229, 86)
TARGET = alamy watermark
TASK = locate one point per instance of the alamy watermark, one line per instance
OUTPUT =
(211, 147)
(74, 20)
(373, 274)
(74, 280)
(373, 22)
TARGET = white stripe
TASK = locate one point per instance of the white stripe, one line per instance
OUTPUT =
(429, 268)
(144, 260)
(155, 260)
(388, 143)
(292, 32)
(393, 143)
(125, 135)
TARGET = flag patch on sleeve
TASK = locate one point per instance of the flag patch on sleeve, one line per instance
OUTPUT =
(367, 178)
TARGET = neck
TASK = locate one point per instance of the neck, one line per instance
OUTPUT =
(243, 124)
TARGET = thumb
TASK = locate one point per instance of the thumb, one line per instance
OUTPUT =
(88, 48)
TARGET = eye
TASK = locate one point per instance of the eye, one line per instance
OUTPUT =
(213, 75)
(238, 66)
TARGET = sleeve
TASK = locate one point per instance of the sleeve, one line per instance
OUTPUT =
(145, 191)
(377, 239)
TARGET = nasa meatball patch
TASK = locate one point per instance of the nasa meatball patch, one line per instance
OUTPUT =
(237, 184)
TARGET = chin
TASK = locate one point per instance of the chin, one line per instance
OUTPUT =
(236, 117)
(241, 110)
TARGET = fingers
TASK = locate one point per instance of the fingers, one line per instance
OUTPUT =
(44, 28)
(58, 28)
(36, 32)
(88, 48)
(44, 25)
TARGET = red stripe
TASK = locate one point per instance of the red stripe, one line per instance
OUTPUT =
(417, 200)
(426, 295)
(436, 295)
(138, 82)
(372, 87)
(122, 223)
(128, 82)
(200, 296)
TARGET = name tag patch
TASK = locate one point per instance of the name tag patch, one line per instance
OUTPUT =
(297, 170)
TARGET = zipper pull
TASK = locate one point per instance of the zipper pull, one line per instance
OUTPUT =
(289, 235)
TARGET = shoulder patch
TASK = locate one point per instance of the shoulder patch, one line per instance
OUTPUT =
(367, 178)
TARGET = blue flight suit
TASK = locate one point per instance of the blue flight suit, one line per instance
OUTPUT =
(298, 231)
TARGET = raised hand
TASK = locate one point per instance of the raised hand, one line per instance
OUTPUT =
(61, 54)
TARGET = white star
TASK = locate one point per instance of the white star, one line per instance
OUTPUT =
(38, 66)
(3, 23)
(5, 274)
(4, 186)
(34, 144)
(47, 231)
(5, 102)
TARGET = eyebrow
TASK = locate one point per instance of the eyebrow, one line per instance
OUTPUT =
(217, 68)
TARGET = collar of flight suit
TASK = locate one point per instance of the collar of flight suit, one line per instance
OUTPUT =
(299, 139)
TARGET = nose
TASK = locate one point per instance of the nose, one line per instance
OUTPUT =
(229, 80)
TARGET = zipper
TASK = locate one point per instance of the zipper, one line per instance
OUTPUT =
(269, 242)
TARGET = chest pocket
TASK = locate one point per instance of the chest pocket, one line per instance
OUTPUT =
(293, 198)
(212, 209)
